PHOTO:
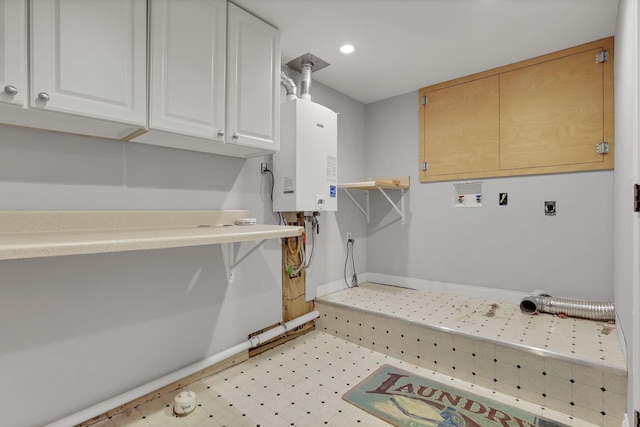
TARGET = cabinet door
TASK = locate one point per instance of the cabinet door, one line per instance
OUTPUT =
(461, 129)
(13, 57)
(253, 92)
(88, 57)
(188, 43)
(552, 113)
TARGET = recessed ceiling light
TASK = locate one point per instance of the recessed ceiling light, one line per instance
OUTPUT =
(347, 48)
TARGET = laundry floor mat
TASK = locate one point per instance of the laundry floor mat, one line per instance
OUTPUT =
(405, 399)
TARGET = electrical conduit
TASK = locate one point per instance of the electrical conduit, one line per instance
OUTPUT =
(152, 386)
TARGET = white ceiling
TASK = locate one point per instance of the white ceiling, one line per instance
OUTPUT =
(403, 45)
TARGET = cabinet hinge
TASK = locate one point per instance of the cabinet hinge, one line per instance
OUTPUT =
(602, 148)
(425, 166)
(602, 56)
(636, 197)
(424, 100)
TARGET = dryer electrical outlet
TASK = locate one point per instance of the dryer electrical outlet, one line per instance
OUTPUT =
(305, 169)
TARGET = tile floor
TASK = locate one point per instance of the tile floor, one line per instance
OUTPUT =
(568, 339)
(574, 366)
(299, 383)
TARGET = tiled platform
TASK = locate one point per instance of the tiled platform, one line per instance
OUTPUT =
(299, 383)
(574, 366)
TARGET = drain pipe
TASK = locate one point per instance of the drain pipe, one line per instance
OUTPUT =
(107, 405)
(570, 307)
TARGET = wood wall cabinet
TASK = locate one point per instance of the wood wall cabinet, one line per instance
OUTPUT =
(462, 126)
(543, 115)
(86, 68)
(214, 79)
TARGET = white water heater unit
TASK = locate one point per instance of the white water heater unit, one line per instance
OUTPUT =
(306, 168)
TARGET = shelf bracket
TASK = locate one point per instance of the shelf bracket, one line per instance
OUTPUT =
(232, 264)
(364, 211)
(400, 210)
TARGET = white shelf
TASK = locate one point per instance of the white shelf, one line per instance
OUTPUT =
(35, 234)
(381, 184)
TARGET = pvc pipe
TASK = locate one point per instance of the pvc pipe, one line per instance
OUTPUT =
(107, 405)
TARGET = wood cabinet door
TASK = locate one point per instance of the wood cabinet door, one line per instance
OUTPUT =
(253, 78)
(88, 57)
(552, 113)
(13, 52)
(188, 44)
(461, 129)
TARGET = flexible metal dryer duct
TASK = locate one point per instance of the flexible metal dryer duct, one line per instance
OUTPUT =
(570, 307)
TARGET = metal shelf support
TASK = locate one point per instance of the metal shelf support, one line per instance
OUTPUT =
(232, 263)
(365, 210)
(400, 210)
(381, 184)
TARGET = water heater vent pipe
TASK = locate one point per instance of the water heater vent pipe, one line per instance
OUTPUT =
(305, 65)
(289, 85)
(305, 84)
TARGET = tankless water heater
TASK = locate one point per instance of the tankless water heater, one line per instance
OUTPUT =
(306, 168)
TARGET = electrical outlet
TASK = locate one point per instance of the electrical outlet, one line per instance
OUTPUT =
(263, 168)
(550, 208)
(347, 236)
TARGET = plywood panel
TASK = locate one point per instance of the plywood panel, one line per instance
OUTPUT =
(551, 113)
(461, 128)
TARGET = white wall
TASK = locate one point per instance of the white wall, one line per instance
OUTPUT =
(80, 329)
(329, 257)
(625, 250)
(514, 247)
(94, 326)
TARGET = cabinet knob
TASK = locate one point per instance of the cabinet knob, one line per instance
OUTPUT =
(43, 96)
(220, 133)
(10, 90)
(234, 136)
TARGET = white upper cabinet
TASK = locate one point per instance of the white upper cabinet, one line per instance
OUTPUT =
(88, 58)
(214, 79)
(187, 81)
(13, 57)
(80, 66)
(253, 78)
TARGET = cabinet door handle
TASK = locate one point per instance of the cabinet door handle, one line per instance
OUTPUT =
(10, 90)
(235, 136)
(43, 96)
(220, 133)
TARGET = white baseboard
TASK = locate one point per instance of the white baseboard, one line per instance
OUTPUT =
(492, 294)
(337, 285)
(625, 422)
(623, 341)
